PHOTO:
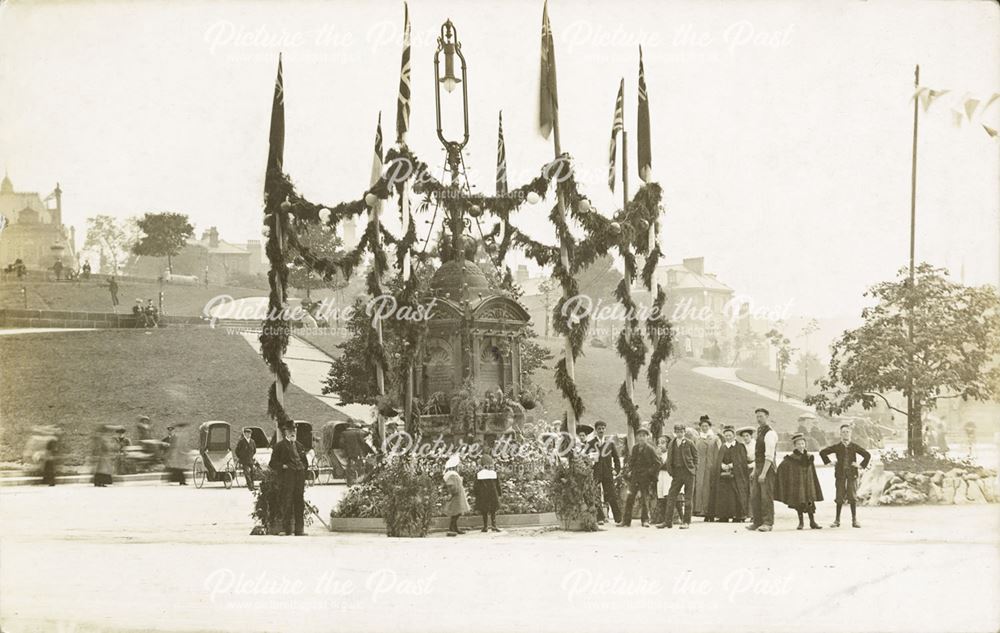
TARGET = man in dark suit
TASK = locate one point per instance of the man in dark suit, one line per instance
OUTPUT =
(289, 461)
(846, 472)
(246, 448)
(682, 464)
(605, 469)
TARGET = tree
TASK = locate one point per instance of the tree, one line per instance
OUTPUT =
(112, 240)
(952, 352)
(783, 357)
(322, 240)
(808, 364)
(547, 288)
(163, 235)
(746, 342)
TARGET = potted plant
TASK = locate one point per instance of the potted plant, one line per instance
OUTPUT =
(409, 497)
(574, 493)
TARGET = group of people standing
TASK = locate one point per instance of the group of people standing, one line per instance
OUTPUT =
(731, 478)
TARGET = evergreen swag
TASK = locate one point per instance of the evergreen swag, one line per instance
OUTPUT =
(286, 212)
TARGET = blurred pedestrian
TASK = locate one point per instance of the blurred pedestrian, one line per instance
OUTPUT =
(102, 451)
(174, 459)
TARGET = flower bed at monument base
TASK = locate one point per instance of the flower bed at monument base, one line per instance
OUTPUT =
(440, 524)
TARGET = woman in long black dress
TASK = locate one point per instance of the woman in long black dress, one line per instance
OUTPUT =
(731, 484)
(797, 485)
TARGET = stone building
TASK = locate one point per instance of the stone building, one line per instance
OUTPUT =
(32, 230)
(222, 261)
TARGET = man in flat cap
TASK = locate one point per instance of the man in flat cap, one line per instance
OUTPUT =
(682, 464)
(644, 464)
(762, 478)
(289, 462)
(246, 449)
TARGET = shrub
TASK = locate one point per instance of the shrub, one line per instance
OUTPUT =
(573, 492)
(897, 461)
(266, 511)
(409, 496)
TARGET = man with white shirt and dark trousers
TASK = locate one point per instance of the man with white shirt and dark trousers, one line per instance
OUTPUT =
(763, 476)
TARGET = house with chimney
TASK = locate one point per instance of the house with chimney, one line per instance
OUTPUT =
(207, 257)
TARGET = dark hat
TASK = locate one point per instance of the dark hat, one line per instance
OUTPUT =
(728, 427)
(247, 429)
(705, 418)
(584, 428)
(798, 436)
(600, 423)
(762, 410)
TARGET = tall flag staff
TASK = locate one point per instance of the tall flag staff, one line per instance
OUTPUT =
(548, 123)
(376, 220)
(618, 127)
(402, 127)
(646, 173)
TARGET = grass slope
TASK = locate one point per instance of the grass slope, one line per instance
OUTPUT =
(600, 372)
(93, 296)
(83, 379)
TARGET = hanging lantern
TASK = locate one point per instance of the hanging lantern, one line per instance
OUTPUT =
(324, 215)
(286, 205)
(584, 205)
(371, 199)
(615, 228)
(475, 211)
(532, 197)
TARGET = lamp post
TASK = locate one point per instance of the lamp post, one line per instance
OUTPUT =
(449, 45)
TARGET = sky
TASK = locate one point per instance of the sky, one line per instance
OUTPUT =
(781, 131)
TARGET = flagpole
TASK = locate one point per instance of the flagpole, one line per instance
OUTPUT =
(629, 382)
(912, 429)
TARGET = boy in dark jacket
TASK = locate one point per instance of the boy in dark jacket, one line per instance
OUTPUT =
(682, 464)
(846, 472)
(643, 465)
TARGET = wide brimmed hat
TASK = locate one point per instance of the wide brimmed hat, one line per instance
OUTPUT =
(452, 462)
(745, 429)
(584, 428)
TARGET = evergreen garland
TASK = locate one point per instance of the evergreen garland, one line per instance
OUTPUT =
(628, 233)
